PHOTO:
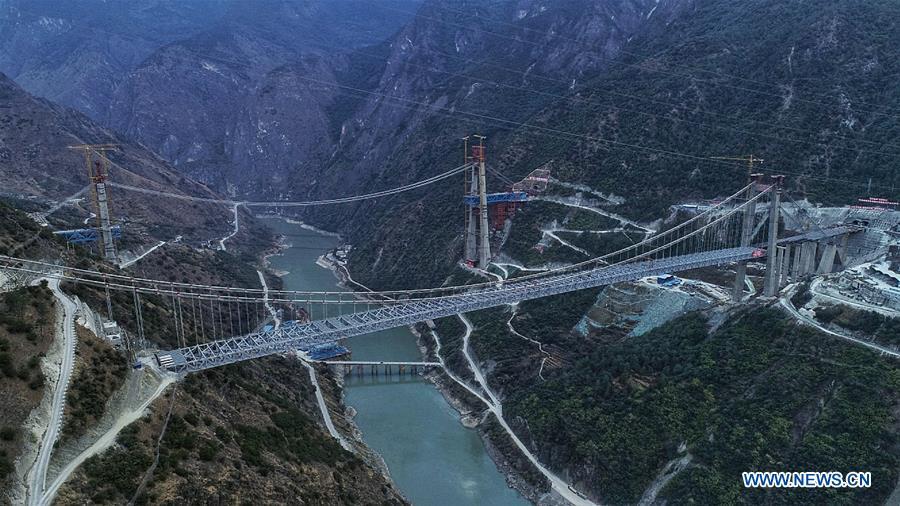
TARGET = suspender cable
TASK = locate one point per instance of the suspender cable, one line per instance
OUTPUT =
(202, 324)
(194, 318)
(181, 322)
(231, 318)
(219, 310)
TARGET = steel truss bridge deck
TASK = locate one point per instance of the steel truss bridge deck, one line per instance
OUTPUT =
(819, 235)
(401, 313)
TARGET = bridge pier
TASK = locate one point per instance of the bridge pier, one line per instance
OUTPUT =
(779, 258)
(784, 265)
(813, 255)
(795, 265)
(771, 284)
(809, 258)
(842, 251)
(804, 260)
(826, 264)
(814, 258)
(788, 266)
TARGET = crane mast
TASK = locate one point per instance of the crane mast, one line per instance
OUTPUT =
(97, 166)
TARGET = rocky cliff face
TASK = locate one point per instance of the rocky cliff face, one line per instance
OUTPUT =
(222, 121)
(483, 60)
(246, 91)
(241, 104)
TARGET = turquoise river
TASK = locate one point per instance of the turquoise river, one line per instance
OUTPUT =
(431, 456)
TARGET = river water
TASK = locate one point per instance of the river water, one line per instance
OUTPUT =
(432, 458)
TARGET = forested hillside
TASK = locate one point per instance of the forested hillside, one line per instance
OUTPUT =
(630, 97)
(758, 393)
(804, 85)
(318, 99)
(250, 431)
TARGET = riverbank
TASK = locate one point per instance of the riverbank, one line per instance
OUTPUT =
(276, 249)
(432, 458)
(301, 224)
(331, 384)
(472, 412)
(519, 473)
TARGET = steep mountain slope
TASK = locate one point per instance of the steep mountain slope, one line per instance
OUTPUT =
(75, 53)
(441, 62)
(251, 432)
(712, 404)
(35, 160)
(691, 80)
(209, 115)
(447, 76)
(243, 434)
(191, 81)
(230, 105)
(813, 96)
(630, 96)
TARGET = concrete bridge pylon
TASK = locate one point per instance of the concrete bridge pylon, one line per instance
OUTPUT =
(477, 244)
(770, 287)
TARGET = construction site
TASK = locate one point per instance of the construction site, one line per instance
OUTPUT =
(727, 251)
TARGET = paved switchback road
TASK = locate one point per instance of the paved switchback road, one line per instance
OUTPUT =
(38, 477)
(788, 305)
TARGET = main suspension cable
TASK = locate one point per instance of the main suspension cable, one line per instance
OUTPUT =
(219, 293)
(306, 203)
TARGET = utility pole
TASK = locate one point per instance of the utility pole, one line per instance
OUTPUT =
(484, 246)
(749, 218)
(98, 171)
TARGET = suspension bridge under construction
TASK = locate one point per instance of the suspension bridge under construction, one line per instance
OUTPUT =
(207, 326)
(215, 325)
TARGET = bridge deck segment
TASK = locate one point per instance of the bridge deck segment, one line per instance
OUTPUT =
(303, 337)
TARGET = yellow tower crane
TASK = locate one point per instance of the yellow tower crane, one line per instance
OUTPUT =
(98, 171)
(750, 159)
